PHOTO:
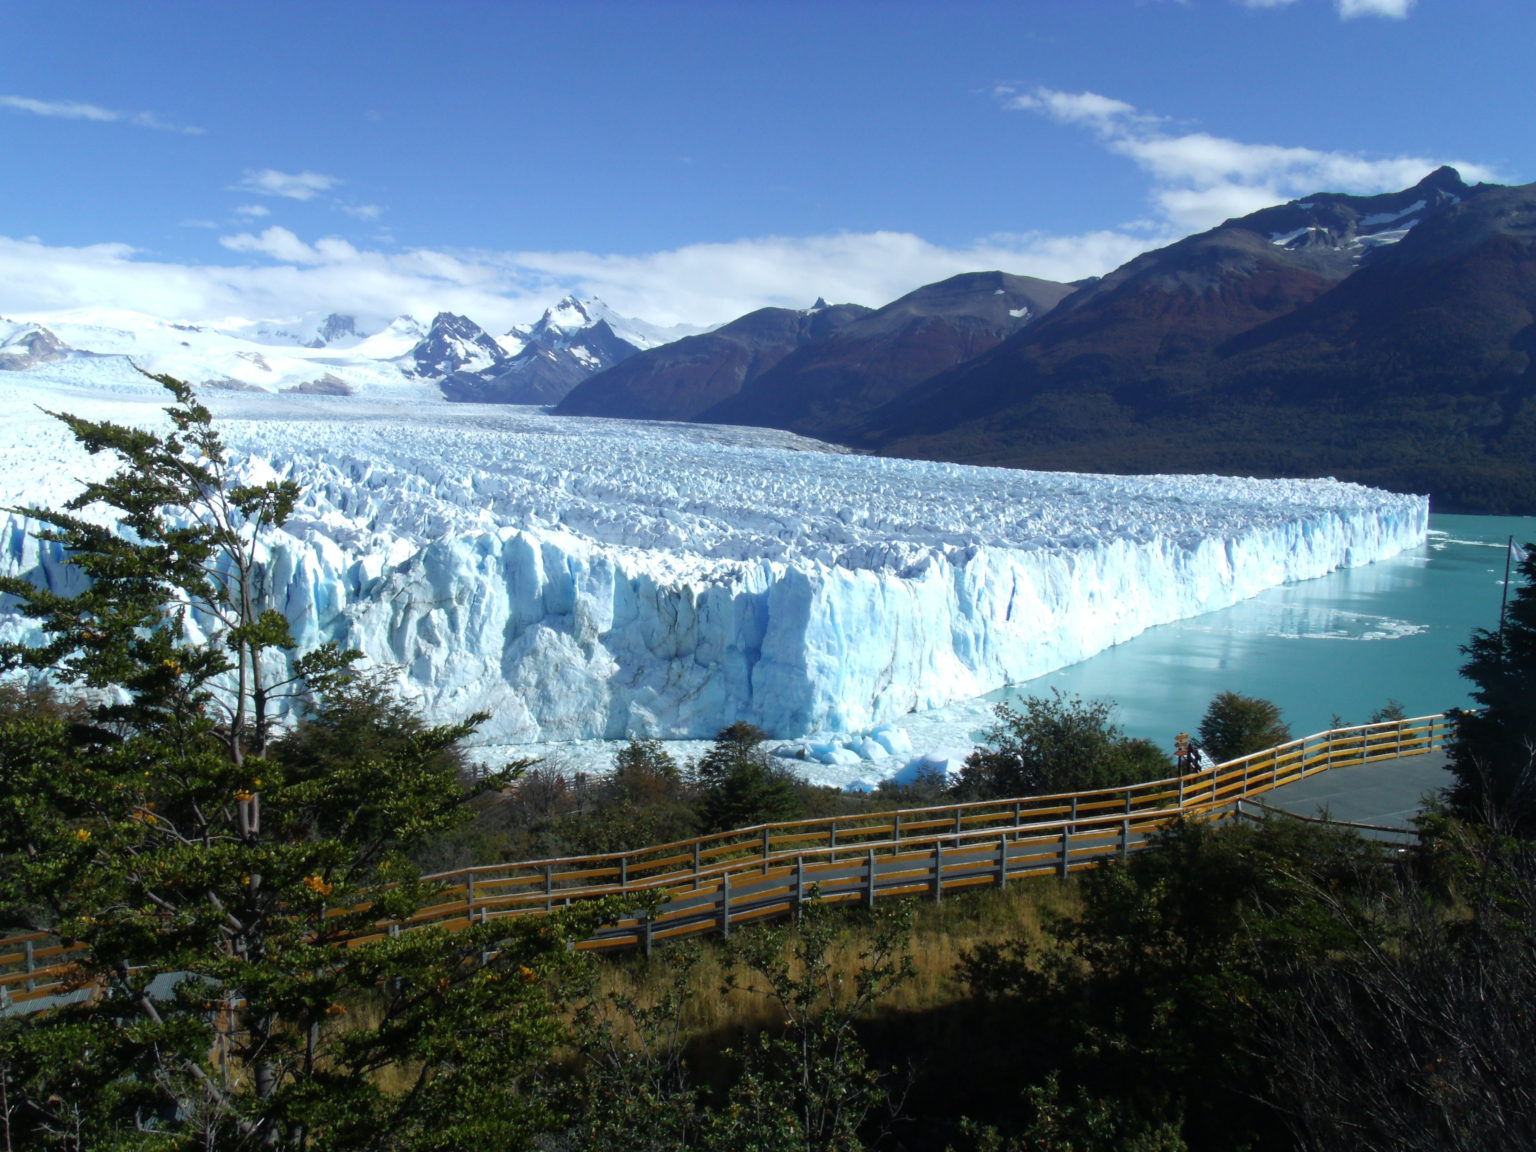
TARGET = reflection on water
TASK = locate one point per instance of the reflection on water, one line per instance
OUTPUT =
(1415, 609)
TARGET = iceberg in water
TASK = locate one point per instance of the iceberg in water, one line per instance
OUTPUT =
(583, 579)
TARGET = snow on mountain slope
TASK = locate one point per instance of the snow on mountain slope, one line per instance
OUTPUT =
(222, 357)
(598, 578)
(562, 322)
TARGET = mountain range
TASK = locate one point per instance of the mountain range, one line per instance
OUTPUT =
(1386, 339)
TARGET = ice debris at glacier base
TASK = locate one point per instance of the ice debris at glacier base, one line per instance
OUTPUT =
(590, 579)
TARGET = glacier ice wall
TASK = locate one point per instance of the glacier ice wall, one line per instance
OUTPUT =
(596, 579)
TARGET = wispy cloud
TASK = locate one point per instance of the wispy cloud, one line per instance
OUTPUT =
(1347, 9)
(1199, 180)
(1392, 9)
(291, 185)
(77, 110)
(362, 211)
(252, 211)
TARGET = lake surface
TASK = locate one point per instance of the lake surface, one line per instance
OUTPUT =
(1341, 645)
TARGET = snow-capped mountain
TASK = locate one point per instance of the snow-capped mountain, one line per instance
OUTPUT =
(232, 354)
(451, 356)
(567, 318)
(24, 346)
(455, 349)
(572, 341)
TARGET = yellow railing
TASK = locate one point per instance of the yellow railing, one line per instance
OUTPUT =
(710, 883)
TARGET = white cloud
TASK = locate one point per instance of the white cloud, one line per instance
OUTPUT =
(699, 284)
(77, 110)
(253, 211)
(1392, 9)
(1348, 9)
(1069, 107)
(1196, 179)
(362, 211)
(1199, 180)
(293, 185)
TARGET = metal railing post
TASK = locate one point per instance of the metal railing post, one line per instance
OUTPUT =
(549, 888)
(869, 889)
(1066, 849)
(1002, 860)
(938, 872)
(799, 884)
(725, 905)
(767, 848)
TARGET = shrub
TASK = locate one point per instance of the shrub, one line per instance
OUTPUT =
(1236, 725)
(1058, 743)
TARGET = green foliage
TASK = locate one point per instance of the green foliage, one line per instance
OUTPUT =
(1235, 725)
(1058, 744)
(1493, 753)
(209, 865)
(635, 1092)
(740, 784)
(1156, 992)
(1061, 1121)
(803, 1084)
(812, 1087)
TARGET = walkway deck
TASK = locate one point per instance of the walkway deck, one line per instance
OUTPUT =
(1386, 793)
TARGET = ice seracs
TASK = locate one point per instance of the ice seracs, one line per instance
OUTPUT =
(598, 578)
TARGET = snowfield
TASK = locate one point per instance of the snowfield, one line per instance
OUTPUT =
(590, 579)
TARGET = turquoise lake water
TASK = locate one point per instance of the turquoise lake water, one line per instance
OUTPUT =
(1344, 644)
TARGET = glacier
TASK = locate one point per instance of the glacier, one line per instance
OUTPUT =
(595, 579)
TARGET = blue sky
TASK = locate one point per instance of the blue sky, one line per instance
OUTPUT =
(687, 160)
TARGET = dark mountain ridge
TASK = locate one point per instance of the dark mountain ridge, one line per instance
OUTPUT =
(1384, 339)
(825, 386)
(686, 378)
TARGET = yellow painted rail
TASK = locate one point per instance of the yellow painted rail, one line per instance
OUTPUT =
(711, 883)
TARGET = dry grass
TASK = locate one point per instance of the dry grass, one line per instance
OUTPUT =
(941, 932)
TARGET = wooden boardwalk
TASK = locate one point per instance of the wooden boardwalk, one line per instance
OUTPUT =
(713, 883)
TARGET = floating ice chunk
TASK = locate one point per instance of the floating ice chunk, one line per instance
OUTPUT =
(832, 754)
(893, 740)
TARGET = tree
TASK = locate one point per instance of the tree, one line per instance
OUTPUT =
(1235, 725)
(210, 859)
(740, 784)
(1416, 1035)
(1058, 743)
(1493, 752)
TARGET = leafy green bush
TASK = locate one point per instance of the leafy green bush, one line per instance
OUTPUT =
(1058, 743)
